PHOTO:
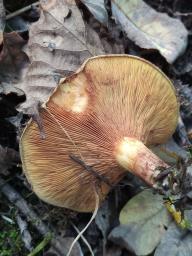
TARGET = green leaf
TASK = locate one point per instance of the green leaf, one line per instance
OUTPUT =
(142, 223)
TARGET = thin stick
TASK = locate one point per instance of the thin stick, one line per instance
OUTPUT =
(85, 228)
(182, 13)
(22, 10)
(25, 234)
(84, 239)
(91, 169)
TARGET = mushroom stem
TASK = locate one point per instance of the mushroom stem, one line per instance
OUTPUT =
(135, 157)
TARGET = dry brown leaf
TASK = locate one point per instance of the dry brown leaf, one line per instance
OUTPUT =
(12, 58)
(150, 29)
(8, 158)
(7, 88)
(62, 247)
(59, 42)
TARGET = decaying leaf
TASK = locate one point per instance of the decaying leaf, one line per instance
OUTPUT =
(12, 58)
(185, 97)
(113, 251)
(8, 158)
(176, 242)
(18, 24)
(60, 246)
(7, 88)
(106, 216)
(59, 42)
(142, 223)
(170, 152)
(97, 8)
(150, 29)
(12, 61)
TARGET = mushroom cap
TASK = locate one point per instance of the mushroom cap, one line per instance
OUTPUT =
(109, 98)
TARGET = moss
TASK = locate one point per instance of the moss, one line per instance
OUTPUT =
(10, 240)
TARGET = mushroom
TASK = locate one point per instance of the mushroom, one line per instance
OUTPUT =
(98, 123)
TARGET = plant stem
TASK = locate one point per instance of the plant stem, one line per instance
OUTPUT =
(22, 10)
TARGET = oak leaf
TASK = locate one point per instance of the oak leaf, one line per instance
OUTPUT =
(58, 44)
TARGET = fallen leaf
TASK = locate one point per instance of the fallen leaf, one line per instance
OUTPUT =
(7, 88)
(97, 8)
(175, 242)
(170, 152)
(185, 97)
(18, 24)
(16, 120)
(12, 59)
(60, 247)
(8, 158)
(106, 216)
(150, 29)
(113, 251)
(188, 192)
(58, 44)
(142, 223)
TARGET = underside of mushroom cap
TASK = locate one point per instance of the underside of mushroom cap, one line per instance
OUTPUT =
(90, 112)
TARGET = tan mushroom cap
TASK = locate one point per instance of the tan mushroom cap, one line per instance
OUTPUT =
(109, 98)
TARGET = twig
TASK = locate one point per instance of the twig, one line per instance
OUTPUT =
(22, 10)
(91, 170)
(14, 197)
(83, 238)
(2, 20)
(183, 13)
(25, 235)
